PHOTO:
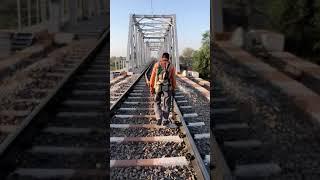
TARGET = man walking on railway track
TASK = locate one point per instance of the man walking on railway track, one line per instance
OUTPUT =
(162, 85)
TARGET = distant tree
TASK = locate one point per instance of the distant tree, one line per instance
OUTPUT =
(201, 57)
(187, 56)
(187, 52)
(181, 59)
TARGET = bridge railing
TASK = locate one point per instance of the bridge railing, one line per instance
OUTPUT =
(23, 14)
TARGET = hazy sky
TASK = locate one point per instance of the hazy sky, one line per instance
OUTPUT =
(193, 19)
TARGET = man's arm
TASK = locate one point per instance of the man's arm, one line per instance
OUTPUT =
(153, 76)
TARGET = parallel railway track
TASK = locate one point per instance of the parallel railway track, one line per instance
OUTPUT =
(280, 105)
(141, 149)
(201, 82)
(244, 155)
(62, 138)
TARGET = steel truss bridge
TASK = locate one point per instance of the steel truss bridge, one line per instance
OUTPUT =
(149, 35)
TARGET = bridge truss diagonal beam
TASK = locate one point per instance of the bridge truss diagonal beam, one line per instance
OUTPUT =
(149, 35)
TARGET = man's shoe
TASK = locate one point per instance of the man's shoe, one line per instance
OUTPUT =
(159, 121)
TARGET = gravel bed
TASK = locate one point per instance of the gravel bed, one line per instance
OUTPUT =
(199, 130)
(180, 98)
(146, 150)
(203, 147)
(201, 106)
(79, 123)
(182, 173)
(41, 72)
(139, 100)
(136, 112)
(30, 94)
(72, 161)
(90, 140)
(197, 119)
(186, 111)
(114, 98)
(10, 120)
(134, 105)
(120, 91)
(123, 85)
(144, 90)
(39, 84)
(65, 66)
(145, 132)
(184, 104)
(133, 121)
(35, 76)
(293, 139)
(24, 105)
(51, 78)
(2, 137)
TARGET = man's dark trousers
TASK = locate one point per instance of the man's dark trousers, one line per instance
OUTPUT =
(164, 110)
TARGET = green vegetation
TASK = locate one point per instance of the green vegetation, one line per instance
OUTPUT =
(201, 57)
(298, 20)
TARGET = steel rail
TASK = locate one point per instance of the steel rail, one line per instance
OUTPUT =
(14, 141)
(190, 142)
(221, 169)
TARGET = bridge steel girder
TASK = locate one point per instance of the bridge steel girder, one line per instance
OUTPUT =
(160, 36)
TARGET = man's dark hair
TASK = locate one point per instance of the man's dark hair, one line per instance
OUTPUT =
(165, 55)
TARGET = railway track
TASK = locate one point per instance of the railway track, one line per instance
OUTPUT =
(120, 85)
(282, 123)
(119, 88)
(201, 82)
(245, 155)
(141, 149)
(62, 138)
